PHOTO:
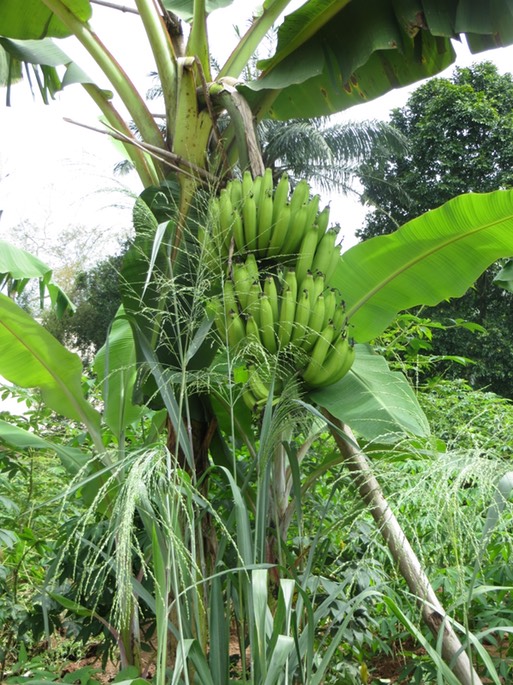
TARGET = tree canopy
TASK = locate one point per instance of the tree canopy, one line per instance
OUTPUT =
(459, 134)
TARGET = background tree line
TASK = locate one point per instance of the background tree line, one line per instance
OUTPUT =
(459, 135)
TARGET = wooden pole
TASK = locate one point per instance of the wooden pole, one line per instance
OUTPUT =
(409, 565)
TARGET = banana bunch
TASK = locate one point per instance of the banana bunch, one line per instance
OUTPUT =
(276, 293)
(274, 224)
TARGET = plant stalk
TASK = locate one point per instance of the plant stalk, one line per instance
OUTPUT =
(112, 70)
(433, 613)
(142, 162)
(164, 55)
(249, 43)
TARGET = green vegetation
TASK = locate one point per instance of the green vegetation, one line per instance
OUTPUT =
(459, 134)
(306, 535)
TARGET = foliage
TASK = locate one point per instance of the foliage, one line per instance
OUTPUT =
(96, 296)
(470, 419)
(325, 153)
(188, 503)
(460, 140)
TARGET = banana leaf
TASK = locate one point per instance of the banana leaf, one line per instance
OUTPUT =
(333, 54)
(116, 368)
(31, 357)
(375, 401)
(32, 19)
(17, 267)
(434, 257)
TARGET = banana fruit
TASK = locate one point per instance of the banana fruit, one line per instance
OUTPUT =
(280, 256)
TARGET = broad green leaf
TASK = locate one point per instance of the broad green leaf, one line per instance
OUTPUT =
(32, 358)
(32, 19)
(373, 400)
(333, 54)
(115, 366)
(18, 266)
(184, 8)
(504, 278)
(438, 255)
(43, 51)
(72, 458)
(10, 69)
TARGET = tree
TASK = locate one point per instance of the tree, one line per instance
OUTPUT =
(460, 140)
(329, 56)
(96, 295)
(327, 154)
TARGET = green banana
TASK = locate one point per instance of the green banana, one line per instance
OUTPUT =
(308, 283)
(265, 223)
(235, 329)
(302, 317)
(249, 218)
(247, 185)
(279, 232)
(339, 317)
(229, 298)
(330, 304)
(249, 400)
(286, 317)
(215, 309)
(252, 329)
(291, 282)
(306, 254)
(337, 363)
(225, 219)
(266, 186)
(238, 231)
(252, 266)
(319, 354)
(235, 190)
(314, 324)
(272, 293)
(257, 186)
(257, 386)
(319, 284)
(335, 258)
(281, 196)
(267, 325)
(323, 219)
(299, 196)
(323, 253)
(242, 283)
(295, 232)
(253, 302)
(312, 209)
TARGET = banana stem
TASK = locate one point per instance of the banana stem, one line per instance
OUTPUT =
(249, 43)
(142, 162)
(243, 124)
(112, 70)
(433, 613)
(197, 45)
(164, 55)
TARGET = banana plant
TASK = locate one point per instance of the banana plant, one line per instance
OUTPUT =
(330, 55)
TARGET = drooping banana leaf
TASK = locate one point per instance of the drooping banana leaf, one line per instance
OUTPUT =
(333, 54)
(184, 8)
(72, 458)
(30, 357)
(375, 401)
(436, 256)
(33, 20)
(17, 267)
(116, 368)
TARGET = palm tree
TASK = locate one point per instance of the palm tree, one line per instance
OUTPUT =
(324, 153)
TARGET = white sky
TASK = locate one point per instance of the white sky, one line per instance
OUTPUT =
(54, 175)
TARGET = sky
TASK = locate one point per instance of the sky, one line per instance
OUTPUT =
(54, 174)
